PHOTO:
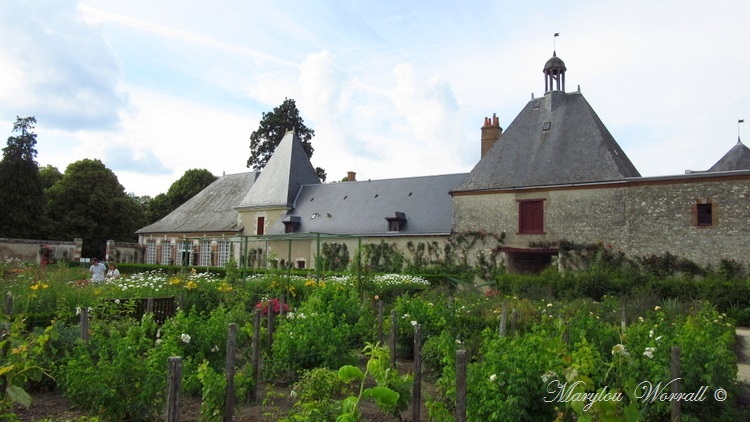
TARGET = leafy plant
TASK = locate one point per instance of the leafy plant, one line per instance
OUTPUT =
(391, 393)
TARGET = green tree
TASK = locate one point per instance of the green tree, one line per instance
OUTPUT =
(187, 186)
(89, 202)
(49, 175)
(273, 126)
(21, 193)
(157, 208)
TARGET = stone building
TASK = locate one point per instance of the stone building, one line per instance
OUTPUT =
(555, 174)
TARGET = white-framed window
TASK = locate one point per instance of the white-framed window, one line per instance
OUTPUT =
(166, 253)
(151, 252)
(222, 255)
(205, 254)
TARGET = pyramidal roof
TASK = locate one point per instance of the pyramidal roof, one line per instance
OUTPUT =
(287, 170)
(557, 139)
(738, 158)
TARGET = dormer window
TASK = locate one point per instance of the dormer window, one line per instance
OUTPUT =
(291, 223)
(396, 223)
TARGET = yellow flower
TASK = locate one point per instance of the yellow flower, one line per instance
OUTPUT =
(293, 291)
(34, 287)
(191, 285)
(309, 283)
(45, 286)
(175, 281)
(224, 287)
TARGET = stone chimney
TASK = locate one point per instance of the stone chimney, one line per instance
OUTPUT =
(491, 133)
(351, 176)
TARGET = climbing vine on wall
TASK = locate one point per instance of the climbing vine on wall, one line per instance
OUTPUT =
(382, 257)
(455, 255)
(335, 256)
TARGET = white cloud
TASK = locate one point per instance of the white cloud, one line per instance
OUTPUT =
(56, 67)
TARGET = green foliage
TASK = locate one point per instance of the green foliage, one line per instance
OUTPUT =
(391, 392)
(330, 312)
(21, 189)
(335, 256)
(382, 257)
(24, 357)
(213, 393)
(112, 374)
(317, 396)
(273, 126)
(89, 202)
(192, 182)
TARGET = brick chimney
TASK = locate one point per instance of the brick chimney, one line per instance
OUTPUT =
(351, 176)
(491, 133)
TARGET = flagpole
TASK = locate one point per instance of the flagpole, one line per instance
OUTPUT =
(554, 43)
(738, 128)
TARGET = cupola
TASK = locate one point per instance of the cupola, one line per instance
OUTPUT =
(554, 74)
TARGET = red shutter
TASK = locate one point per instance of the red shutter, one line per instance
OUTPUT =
(261, 225)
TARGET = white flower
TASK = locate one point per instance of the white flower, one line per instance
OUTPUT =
(493, 377)
(185, 338)
(459, 341)
(414, 323)
(215, 348)
(651, 333)
(658, 338)
(640, 319)
(549, 305)
(78, 310)
(158, 341)
(619, 349)
(657, 307)
(117, 301)
(649, 353)
(548, 376)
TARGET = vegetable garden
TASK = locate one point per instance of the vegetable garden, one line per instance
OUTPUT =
(536, 347)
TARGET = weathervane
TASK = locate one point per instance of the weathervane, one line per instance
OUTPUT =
(554, 39)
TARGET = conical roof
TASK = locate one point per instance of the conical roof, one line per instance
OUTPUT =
(287, 170)
(738, 158)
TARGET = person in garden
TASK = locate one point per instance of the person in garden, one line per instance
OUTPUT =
(113, 273)
(97, 270)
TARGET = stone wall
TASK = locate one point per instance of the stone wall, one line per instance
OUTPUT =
(30, 250)
(640, 216)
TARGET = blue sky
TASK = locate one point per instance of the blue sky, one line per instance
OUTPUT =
(391, 88)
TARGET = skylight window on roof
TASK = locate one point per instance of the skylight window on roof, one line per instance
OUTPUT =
(546, 126)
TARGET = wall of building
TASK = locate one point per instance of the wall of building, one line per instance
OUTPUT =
(638, 217)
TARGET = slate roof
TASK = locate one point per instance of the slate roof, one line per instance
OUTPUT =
(286, 171)
(557, 139)
(738, 158)
(362, 207)
(210, 210)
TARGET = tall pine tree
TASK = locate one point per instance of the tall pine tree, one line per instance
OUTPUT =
(273, 126)
(21, 194)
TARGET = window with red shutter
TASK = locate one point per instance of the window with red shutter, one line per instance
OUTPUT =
(261, 225)
(531, 217)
